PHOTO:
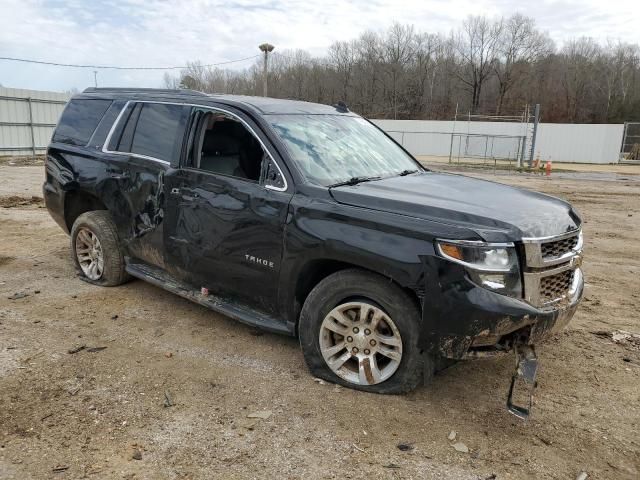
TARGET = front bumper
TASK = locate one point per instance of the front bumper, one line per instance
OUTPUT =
(462, 320)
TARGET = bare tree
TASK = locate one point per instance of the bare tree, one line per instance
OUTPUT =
(367, 75)
(619, 64)
(578, 76)
(396, 52)
(519, 47)
(477, 46)
(343, 57)
(487, 66)
(423, 69)
(171, 82)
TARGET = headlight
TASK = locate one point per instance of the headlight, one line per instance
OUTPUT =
(491, 265)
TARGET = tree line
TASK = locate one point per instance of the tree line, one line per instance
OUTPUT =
(486, 66)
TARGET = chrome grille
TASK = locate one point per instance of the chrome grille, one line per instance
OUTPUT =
(550, 251)
(552, 268)
(554, 287)
(557, 248)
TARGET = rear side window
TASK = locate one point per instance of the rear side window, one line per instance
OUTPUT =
(154, 130)
(79, 120)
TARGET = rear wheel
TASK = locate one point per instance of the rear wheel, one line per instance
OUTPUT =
(360, 330)
(96, 251)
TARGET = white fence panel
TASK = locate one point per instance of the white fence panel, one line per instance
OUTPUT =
(581, 143)
(559, 142)
(27, 119)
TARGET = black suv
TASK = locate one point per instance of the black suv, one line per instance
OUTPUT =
(308, 220)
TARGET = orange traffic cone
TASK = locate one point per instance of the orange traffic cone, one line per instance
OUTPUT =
(548, 168)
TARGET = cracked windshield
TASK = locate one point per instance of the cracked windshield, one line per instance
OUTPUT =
(330, 149)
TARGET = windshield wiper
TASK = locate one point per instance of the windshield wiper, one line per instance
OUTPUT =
(353, 181)
(404, 173)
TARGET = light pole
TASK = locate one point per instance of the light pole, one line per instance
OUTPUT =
(95, 78)
(266, 48)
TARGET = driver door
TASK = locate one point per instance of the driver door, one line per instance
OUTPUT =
(226, 211)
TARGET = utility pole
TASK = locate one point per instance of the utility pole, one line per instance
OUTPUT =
(95, 78)
(266, 48)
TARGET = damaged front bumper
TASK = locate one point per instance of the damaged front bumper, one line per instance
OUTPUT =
(470, 322)
(463, 321)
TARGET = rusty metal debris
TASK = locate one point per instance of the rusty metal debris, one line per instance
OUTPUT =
(525, 371)
(76, 349)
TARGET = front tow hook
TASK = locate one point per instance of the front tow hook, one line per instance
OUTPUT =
(526, 369)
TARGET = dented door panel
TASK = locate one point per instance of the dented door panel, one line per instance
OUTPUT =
(225, 234)
(142, 184)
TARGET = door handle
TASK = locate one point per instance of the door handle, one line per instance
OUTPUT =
(189, 194)
(190, 198)
(186, 193)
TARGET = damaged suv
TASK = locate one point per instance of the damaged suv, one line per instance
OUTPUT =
(308, 220)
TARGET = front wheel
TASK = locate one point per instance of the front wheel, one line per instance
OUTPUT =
(360, 330)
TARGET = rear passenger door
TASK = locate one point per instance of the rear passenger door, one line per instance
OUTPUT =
(226, 210)
(143, 144)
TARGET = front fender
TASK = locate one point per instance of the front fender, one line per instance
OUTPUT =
(388, 244)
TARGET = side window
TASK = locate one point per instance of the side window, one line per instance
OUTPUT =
(152, 129)
(223, 145)
(158, 131)
(131, 116)
(79, 120)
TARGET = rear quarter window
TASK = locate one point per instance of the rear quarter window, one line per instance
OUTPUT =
(79, 120)
(153, 130)
(158, 131)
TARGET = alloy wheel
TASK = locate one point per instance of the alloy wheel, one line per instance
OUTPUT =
(89, 253)
(360, 343)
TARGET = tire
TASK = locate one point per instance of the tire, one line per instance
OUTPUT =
(350, 287)
(110, 271)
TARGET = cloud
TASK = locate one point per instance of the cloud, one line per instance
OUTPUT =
(162, 33)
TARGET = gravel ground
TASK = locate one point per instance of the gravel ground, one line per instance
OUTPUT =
(163, 388)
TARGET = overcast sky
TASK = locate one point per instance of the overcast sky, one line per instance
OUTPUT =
(164, 33)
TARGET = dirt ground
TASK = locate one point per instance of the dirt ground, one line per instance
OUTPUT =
(164, 388)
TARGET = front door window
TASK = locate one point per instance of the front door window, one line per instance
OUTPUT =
(225, 147)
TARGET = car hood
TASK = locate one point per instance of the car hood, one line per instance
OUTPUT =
(491, 209)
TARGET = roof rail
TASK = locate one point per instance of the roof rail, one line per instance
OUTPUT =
(144, 90)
